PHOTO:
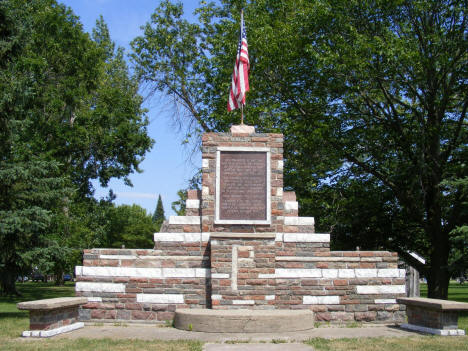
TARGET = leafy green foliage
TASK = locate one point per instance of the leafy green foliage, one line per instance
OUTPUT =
(69, 113)
(130, 227)
(179, 206)
(371, 98)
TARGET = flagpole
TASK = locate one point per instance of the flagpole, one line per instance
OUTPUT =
(242, 105)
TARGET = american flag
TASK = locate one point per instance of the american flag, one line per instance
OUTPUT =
(240, 75)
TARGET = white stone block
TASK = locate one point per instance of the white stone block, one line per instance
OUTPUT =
(202, 272)
(178, 272)
(219, 276)
(170, 237)
(160, 298)
(78, 270)
(117, 257)
(279, 192)
(243, 302)
(388, 273)
(346, 273)
(184, 220)
(205, 163)
(298, 273)
(181, 237)
(123, 272)
(299, 220)
(380, 289)
(99, 287)
(280, 165)
(216, 297)
(61, 330)
(192, 203)
(390, 301)
(266, 276)
(402, 273)
(205, 191)
(269, 297)
(371, 259)
(279, 237)
(321, 300)
(442, 332)
(52, 332)
(330, 273)
(94, 299)
(365, 273)
(306, 238)
(291, 205)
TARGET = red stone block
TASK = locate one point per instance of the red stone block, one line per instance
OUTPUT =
(132, 306)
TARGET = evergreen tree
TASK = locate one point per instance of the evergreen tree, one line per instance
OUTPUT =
(70, 112)
(158, 216)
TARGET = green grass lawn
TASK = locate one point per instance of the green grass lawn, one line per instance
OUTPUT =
(13, 322)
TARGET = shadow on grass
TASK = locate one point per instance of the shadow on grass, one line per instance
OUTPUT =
(37, 291)
(458, 292)
(19, 315)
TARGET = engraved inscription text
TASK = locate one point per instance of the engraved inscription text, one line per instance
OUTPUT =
(243, 192)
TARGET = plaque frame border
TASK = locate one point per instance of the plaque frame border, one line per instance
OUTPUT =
(267, 150)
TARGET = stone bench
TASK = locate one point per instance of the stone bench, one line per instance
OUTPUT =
(433, 316)
(50, 317)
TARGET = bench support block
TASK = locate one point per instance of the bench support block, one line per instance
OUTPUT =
(443, 332)
(52, 332)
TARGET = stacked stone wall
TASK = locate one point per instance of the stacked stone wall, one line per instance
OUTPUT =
(51, 319)
(237, 266)
(143, 285)
(342, 286)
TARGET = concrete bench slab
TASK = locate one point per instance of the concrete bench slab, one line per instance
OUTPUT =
(434, 304)
(433, 316)
(51, 304)
(243, 320)
(50, 317)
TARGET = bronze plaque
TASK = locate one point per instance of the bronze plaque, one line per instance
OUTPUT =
(243, 185)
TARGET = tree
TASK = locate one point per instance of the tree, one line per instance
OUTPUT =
(130, 226)
(158, 216)
(179, 206)
(70, 112)
(371, 98)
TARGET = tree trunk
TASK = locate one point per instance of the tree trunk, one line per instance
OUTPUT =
(438, 282)
(7, 281)
(59, 277)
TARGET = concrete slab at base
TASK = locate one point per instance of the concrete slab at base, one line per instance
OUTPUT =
(443, 332)
(243, 321)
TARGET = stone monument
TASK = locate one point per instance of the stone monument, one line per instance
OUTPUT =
(241, 245)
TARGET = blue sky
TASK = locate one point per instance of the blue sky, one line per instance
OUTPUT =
(165, 168)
